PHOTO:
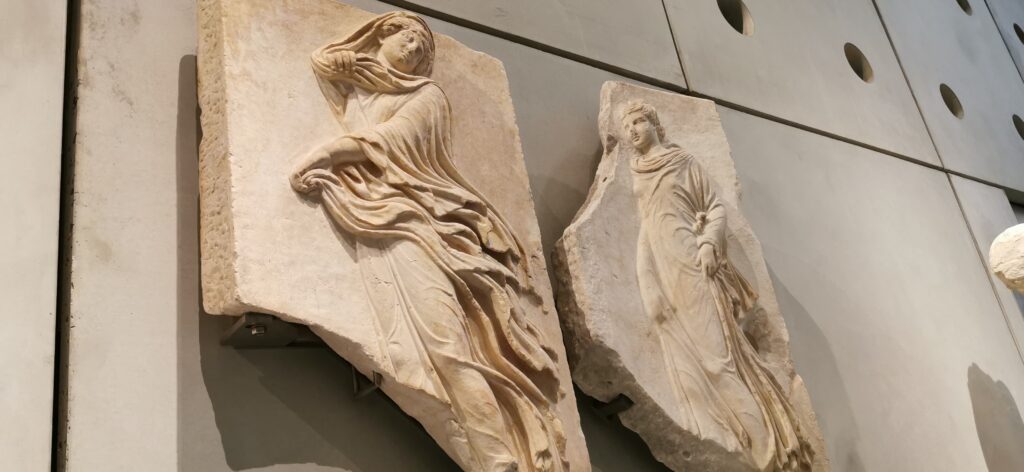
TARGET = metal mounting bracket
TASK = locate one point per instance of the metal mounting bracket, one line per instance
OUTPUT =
(617, 405)
(258, 330)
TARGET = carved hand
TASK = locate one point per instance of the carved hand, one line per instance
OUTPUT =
(319, 158)
(707, 260)
(343, 150)
(343, 61)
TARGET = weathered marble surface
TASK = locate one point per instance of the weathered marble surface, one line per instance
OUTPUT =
(266, 249)
(1006, 257)
(613, 345)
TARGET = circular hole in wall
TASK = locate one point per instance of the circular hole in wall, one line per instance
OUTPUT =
(736, 13)
(859, 63)
(952, 102)
(1019, 124)
(965, 6)
(1020, 32)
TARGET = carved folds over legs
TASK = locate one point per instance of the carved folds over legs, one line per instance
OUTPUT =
(331, 197)
(655, 275)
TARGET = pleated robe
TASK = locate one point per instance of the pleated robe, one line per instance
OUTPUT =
(726, 393)
(443, 271)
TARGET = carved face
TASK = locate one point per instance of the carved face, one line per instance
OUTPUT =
(403, 50)
(641, 132)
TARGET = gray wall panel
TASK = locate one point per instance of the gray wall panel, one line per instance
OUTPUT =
(1000, 426)
(938, 43)
(1009, 17)
(581, 27)
(793, 66)
(31, 99)
(892, 318)
(988, 213)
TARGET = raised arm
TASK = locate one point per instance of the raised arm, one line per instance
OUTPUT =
(330, 64)
(330, 61)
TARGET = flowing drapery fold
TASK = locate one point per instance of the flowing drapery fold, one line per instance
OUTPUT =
(727, 393)
(445, 273)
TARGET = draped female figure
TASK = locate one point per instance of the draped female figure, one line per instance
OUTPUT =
(695, 297)
(445, 274)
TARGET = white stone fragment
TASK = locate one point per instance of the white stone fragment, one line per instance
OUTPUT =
(1006, 257)
(364, 176)
(665, 297)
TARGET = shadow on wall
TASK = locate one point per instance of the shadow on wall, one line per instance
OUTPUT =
(998, 421)
(1020, 301)
(824, 382)
(245, 409)
(560, 197)
(612, 446)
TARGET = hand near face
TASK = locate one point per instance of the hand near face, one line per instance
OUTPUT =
(343, 61)
(707, 260)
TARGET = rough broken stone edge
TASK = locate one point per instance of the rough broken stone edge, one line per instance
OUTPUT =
(582, 349)
(215, 203)
(586, 356)
(222, 294)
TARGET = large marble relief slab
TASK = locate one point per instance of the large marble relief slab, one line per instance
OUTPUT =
(364, 176)
(665, 297)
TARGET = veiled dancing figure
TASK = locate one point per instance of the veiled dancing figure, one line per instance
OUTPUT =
(443, 271)
(695, 296)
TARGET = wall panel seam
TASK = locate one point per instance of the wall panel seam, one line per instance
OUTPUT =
(1002, 38)
(514, 38)
(903, 73)
(58, 449)
(675, 44)
(988, 276)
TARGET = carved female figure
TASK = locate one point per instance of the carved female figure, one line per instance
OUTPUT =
(695, 296)
(444, 272)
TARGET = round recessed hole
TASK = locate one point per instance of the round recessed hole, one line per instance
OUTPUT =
(859, 63)
(736, 13)
(965, 6)
(1020, 32)
(1019, 124)
(952, 102)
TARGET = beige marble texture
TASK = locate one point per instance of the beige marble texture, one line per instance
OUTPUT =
(615, 346)
(267, 249)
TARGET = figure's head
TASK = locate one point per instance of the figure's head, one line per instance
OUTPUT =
(406, 44)
(642, 127)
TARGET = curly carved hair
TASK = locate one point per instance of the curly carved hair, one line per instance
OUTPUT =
(648, 112)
